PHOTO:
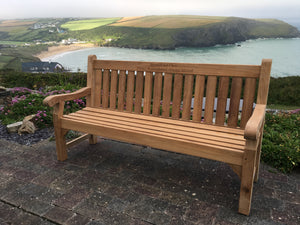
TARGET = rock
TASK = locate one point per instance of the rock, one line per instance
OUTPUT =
(28, 118)
(2, 88)
(27, 127)
(14, 127)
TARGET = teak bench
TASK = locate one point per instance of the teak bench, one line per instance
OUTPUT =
(149, 103)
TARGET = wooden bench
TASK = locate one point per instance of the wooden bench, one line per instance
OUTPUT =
(149, 103)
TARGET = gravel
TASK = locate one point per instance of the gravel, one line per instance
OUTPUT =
(26, 139)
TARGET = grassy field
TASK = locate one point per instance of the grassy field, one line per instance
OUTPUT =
(4, 60)
(17, 43)
(88, 24)
(12, 58)
(15, 26)
(167, 21)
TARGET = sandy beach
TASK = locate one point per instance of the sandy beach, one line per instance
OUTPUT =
(55, 50)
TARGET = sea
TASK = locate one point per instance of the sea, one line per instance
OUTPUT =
(285, 54)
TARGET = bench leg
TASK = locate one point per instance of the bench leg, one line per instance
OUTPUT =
(61, 147)
(258, 160)
(248, 170)
(93, 139)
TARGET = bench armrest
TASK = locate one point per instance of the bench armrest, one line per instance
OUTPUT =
(253, 126)
(54, 99)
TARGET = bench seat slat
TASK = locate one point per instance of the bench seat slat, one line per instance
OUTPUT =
(158, 127)
(157, 141)
(161, 132)
(232, 137)
(224, 130)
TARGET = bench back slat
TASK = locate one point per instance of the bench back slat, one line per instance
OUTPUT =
(235, 96)
(187, 97)
(185, 91)
(198, 99)
(113, 89)
(130, 91)
(157, 94)
(121, 92)
(105, 94)
(148, 93)
(248, 100)
(210, 99)
(139, 92)
(177, 93)
(167, 91)
(222, 100)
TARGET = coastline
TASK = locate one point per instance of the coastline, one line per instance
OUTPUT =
(55, 50)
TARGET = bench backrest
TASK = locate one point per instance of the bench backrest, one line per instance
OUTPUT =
(177, 90)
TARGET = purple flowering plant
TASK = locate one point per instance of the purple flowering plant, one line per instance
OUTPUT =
(30, 102)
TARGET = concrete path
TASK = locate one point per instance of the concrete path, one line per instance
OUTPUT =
(116, 183)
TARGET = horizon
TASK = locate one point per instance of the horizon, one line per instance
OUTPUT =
(287, 10)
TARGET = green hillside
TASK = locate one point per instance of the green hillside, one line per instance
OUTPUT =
(147, 32)
(88, 24)
(164, 32)
(169, 32)
(168, 22)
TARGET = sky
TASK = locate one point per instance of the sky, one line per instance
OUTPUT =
(17, 9)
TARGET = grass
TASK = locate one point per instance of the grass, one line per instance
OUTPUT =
(88, 24)
(12, 26)
(170, 22)
(12, 58)
(4, 60)
(282, 107)
(17, 43)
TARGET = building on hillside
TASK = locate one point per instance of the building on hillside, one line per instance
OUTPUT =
(42, 67)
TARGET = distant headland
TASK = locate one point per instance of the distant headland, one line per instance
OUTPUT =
(23, 40)
(147, 32)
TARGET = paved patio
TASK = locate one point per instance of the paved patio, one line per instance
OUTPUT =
(117, 183)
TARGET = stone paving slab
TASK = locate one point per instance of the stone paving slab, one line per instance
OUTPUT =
(118, 183)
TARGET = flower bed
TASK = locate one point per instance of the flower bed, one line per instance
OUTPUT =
(28, 102)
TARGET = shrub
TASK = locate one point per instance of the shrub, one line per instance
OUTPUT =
(38, 80)
(281, 142)
(28, 102)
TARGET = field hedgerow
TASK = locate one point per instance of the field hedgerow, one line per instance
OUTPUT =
(30, 102)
